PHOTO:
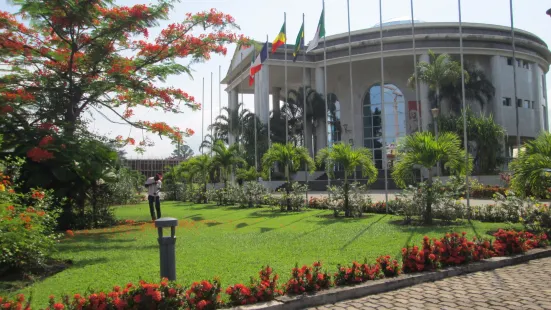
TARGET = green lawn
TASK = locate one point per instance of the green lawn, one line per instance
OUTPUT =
(229, 242)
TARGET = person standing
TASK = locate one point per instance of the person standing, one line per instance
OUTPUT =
(153, 185)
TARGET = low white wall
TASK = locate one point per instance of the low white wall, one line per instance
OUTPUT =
(483, 179)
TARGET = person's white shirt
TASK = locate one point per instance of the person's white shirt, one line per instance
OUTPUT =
(154, 186)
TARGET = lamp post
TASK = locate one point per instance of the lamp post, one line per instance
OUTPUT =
(435, 113)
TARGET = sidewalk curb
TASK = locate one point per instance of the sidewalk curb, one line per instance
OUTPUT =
(334, 295)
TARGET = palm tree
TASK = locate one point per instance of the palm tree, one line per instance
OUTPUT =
(290, 157)
(422, 149)
(349, 159)
(315, 110)
(208, 142)
(202, 166)
(230, 122)
(225, 158)
(477, 88)
(442, 70)
(531, 169)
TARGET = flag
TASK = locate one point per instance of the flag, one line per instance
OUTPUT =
(299, 43)
(251, 76)
(257, 65)
(280, 39)
(320, 32)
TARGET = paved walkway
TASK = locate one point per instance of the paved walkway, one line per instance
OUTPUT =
(525, 286)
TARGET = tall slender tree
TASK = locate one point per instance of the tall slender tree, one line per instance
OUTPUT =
(350, 159)
(290, 157)
(441, 70)
(225, 158)
(422, 149)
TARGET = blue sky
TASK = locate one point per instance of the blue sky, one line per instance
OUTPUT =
(262, 17)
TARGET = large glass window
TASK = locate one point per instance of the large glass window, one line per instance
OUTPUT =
(394, 120)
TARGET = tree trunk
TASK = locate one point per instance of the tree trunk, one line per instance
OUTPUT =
(347, 212)
(288, 188)
(428, 209)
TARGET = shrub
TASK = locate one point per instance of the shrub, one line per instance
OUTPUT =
(357, 200)
(390, 268)
(165, 295)
(318, 203)
(538, 220)
(251, 193)
(174, 191)
(455, 249)
(307, 279)
(27, 235)
(204, 295)
(415, 259)
(16, 303)
(261, 290)
(357, 273)
(513, 242)
(126, 187)
(295, 197)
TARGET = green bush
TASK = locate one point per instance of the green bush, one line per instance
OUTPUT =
(27, 236)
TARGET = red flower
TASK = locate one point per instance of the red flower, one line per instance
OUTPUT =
(37, 154)
(59, 306)
(46, 141)
(70, 233)
(432, 257)
(202, 304)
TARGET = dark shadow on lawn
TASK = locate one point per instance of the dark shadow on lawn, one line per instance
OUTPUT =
(265, 229)
(197, 218)
(420, 227)
(89, 261)
(362, 232)
(211, 224)
(271, 213)
(329, 219)
(241, 225)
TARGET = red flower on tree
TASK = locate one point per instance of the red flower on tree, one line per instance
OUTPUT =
(108, 61)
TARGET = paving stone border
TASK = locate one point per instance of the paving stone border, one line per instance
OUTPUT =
(335, 295)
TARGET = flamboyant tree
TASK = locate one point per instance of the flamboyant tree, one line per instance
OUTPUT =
(62, 59)
(65, 57)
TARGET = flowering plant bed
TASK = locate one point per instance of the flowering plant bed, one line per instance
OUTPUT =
(450, 250)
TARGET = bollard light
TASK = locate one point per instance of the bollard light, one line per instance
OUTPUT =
(167, 247)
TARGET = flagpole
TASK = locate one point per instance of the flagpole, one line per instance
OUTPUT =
(304, 101)
(211, 136)
(514, 73)
(268, 108)
(287, 101)
(242, 109)
(255, 121)
(464, 111)
(415, 70)
(203, 115)
(385, 167)
(351, 80)
(325, 86)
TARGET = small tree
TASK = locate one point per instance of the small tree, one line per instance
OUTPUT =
(531, 168)
(442, 70)
(422, 149)
(201, 166)
(350, 159)
(290, 157)
(225, 158)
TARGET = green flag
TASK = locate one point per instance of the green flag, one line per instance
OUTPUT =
(320, 32)
(299, 43)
